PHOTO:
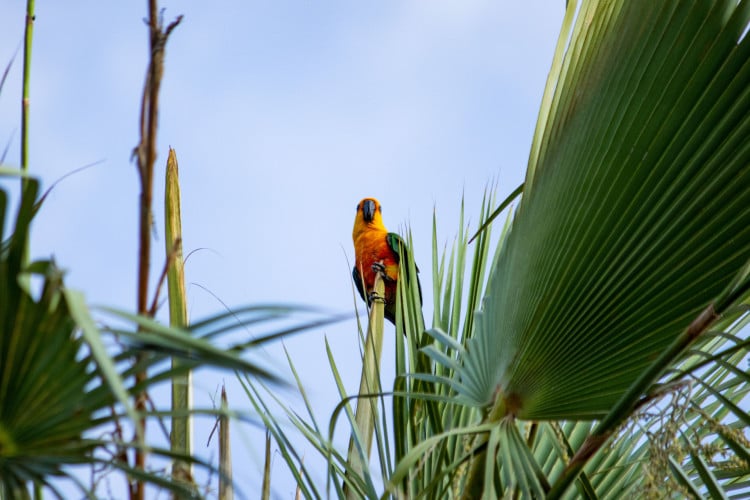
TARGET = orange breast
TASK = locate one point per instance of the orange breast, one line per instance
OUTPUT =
(371, 247)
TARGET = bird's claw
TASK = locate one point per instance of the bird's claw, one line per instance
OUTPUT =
(374, 297)
(379, 268)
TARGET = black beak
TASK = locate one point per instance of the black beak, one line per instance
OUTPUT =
(368, 210)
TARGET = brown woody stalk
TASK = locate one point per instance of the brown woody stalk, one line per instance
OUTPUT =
(145, 154)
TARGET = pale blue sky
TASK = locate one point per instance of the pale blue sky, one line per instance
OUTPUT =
(283, 114)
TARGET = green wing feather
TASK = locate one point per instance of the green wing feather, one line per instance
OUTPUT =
(360, 286)
(398, 245)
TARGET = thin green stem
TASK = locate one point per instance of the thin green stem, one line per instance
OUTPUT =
(28, 36)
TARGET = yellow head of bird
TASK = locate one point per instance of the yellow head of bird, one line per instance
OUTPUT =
(369, 216)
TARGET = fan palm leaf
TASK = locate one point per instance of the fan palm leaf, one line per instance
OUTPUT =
(634, 214)
(66, 383)
(633, 234)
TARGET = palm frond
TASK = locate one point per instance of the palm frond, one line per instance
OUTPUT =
(64, 378)
(632, 221)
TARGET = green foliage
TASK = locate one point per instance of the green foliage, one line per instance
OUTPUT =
(360, 443)
(601, 346)
(423, 448)
(43, 376)
(66, 383)
(426, 449)
(605, 352)
(631, 223)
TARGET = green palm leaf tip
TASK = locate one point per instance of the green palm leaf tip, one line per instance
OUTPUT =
(182, 428)
(635, 218)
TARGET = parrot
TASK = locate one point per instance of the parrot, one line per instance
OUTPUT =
(377, 250)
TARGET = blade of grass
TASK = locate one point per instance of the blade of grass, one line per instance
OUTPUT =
(80, 313)
(507, 201)
(287, 452)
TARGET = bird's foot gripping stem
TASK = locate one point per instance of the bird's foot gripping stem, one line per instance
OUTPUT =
(374, 297)
(379, 269)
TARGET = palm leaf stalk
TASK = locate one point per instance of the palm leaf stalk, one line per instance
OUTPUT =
(182, 397)
(226, 490)
(360, 443)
